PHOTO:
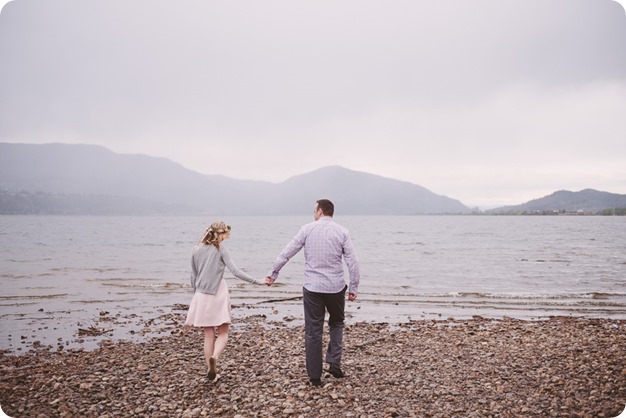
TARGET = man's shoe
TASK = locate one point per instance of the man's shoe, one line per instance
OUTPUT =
(335, 370)
(316, 382)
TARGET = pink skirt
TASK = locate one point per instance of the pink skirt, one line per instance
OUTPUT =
(209, 310)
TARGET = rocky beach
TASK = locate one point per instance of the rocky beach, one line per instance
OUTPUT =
(562, 366)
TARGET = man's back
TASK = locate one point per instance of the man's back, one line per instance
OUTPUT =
(325, 243)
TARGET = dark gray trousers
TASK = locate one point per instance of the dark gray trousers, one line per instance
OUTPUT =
(315, 307)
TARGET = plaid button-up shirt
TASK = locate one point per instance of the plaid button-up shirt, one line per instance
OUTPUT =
(325, 244)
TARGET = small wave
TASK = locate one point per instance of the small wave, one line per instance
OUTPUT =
(148, 244)
(83, 270)
(13, 276)
(12, 305)
(98, 301)
(600, 295)
(16, 297)
(512, 296)
(146, 285)
(504, 304)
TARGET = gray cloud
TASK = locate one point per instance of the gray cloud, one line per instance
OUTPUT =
(485, 101)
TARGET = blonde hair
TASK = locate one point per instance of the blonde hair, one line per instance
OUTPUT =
(216, 233)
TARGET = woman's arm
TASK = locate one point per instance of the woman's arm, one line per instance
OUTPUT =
(194, 270)
(237, 272)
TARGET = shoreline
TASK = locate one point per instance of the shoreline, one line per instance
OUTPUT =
(85, 328)
(561, 366)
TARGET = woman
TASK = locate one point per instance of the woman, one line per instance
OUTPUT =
(210, 306)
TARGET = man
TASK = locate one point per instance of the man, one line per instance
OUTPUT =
(325, 244)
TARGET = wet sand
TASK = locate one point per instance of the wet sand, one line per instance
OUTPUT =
(474, 367)
(83, 327)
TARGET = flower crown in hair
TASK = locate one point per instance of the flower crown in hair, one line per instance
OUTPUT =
(220, 230)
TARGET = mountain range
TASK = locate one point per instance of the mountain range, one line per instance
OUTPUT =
(586, 201)
(90, 179)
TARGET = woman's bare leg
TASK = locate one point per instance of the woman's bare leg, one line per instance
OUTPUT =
(209, 344)
(222, 339)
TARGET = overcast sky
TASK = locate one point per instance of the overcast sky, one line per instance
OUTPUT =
(490, 102)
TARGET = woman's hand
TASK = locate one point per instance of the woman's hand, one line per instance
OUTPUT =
(268, 281)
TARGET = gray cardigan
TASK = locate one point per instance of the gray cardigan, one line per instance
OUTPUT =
(207, 268)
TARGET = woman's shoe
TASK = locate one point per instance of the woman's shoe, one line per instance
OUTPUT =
(212, 369)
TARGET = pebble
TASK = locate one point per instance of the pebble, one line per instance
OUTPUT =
(477, 367)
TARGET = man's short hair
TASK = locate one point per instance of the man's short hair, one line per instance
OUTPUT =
(327, 207)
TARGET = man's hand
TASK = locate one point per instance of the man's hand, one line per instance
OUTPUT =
(351, 297)
(269, 281)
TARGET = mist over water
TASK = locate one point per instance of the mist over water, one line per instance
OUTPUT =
(58, 273)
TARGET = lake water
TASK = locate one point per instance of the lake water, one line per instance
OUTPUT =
(59, 273)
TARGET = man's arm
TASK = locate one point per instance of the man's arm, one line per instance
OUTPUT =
(349, 256)
(285, 255)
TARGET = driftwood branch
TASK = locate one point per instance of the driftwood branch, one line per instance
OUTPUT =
(280, 300)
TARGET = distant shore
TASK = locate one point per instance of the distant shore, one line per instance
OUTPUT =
(477, 367)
